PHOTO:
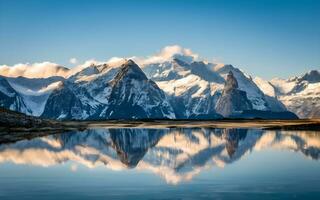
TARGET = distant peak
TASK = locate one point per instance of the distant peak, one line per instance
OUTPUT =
(202, 63)
(224, 68)
(180, 62)
(312, 76)
(313, 73)
(130, 62)
(131, 70)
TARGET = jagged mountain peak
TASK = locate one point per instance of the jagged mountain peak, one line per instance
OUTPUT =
(231, 82)
(202, 63)
(134, 96)
(92, 69)
(180, 62)
(130, 70)
(204, 71)
(86, 72)
(232, 100)
(300, 94)
(224, 68)
(312, 76)
(129, 62)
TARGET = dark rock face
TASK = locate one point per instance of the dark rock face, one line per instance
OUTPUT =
(62, 104)
(134, 96)
(9, 98)
(232, 99)
(70, 102)
(200, 69)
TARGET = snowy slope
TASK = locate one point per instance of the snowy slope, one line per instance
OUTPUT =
(35, 98)
(11, 99)
(271, 96)
(300, 95)
(191, 87)
(306, 102)
(265, 86)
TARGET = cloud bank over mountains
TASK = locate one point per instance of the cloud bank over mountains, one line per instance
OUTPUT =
(35, 70)
(166, 54)
(47, 69)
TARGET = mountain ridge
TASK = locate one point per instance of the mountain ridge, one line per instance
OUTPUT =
(183, 87)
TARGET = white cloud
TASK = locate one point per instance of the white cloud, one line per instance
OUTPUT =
(47, 69)
(35, 70)
(80, 67)
(73, 61)
(168, 53)
(116, 61)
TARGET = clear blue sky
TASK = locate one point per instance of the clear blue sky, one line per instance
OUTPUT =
(265, 38)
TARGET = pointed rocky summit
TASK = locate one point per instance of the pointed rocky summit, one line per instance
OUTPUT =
(232, 100)
(134, 96)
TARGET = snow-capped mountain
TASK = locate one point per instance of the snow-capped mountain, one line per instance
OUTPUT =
(88, 93)
(194, 87)
(107, 91)
(171, 84)
(133, 95)
(300, 95)
(191, 87)
(259, 100)
(176, 155)
(234, 103)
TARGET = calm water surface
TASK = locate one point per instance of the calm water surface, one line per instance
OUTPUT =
(163, 164)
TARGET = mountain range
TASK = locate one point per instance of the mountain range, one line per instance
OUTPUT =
(174, 85)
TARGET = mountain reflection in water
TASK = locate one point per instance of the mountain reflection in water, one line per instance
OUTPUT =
(177, 155)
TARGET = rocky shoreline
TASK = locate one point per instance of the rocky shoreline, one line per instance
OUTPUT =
(11, 121)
